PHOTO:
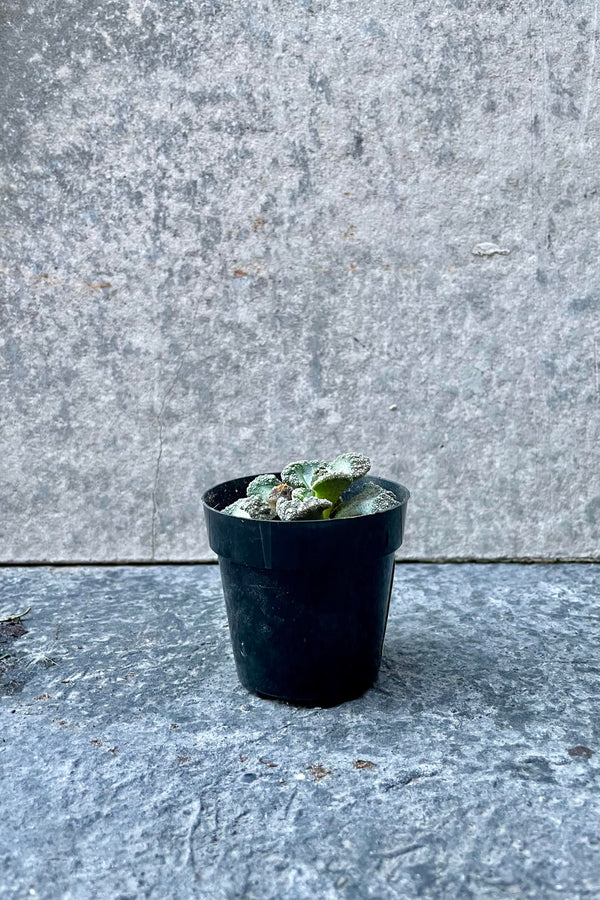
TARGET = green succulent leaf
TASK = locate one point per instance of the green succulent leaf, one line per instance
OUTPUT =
(301, 493)
(250, 508)
(371, 499)
(262, 486)
(269, 488)
(300, 474)
(295, 509)
(330, 480)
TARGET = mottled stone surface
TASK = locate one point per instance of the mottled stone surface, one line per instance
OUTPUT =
(233, 234)
(134, 765)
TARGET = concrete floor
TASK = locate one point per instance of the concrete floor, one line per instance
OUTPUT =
(133, 764)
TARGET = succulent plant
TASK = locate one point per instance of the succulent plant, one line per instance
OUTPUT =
(313, 489)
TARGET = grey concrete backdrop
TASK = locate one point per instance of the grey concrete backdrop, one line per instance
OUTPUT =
(238, 234)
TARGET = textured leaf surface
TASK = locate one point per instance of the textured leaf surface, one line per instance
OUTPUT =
(331, 479)
(310, 508)
(250, 508)
(300, 474)
(372, 499)
(262, 486)
(301, 493)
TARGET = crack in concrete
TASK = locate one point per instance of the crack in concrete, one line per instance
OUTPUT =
(161, 425)
(157, 476)
(195, 821)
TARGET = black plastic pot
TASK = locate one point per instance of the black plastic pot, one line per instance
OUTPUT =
(307, 602)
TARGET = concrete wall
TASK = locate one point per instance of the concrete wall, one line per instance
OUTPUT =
(238, 234)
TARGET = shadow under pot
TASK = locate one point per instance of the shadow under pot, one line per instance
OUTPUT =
(307, 601)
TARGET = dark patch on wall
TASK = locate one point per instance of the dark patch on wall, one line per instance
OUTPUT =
(357, 146)
(588, 303)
